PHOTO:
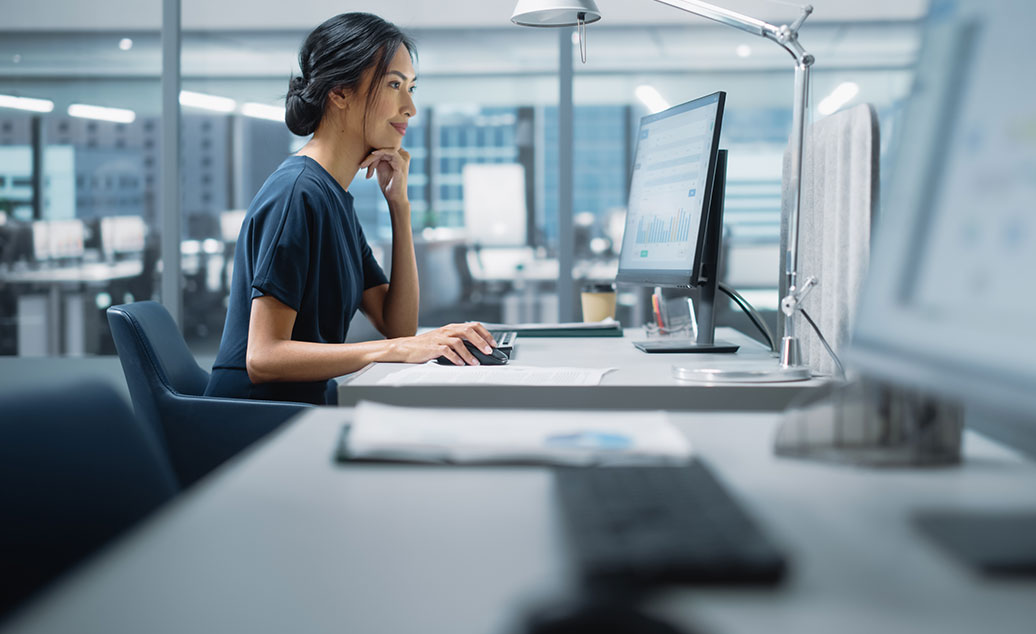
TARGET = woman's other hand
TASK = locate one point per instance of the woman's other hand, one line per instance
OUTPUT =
(392, 167)
(447, 341)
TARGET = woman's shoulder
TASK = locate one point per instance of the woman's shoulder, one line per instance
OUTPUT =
(300, 180)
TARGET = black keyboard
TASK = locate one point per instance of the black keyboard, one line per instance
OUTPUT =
(643, 526)
(505, 339)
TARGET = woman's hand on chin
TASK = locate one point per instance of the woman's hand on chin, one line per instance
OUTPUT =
(392, 166)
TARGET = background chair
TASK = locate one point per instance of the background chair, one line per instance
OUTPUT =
(167, 387)
(77, 469)
(839, 203)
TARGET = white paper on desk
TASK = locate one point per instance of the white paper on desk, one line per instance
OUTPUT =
(435, 374)
(567, 437)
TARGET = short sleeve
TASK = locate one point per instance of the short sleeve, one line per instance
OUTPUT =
(373, 275)
(282, 252)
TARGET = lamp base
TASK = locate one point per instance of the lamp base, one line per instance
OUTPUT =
(742, 374)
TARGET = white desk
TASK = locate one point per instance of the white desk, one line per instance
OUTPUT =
(640, 380)
(47, 309)
(285, 540)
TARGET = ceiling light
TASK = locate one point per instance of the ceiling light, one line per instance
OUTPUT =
(263, 111)
(115, 115)
(125, 44)
(743, 50)
(554, 13)
(651, 98)
(206, 102)
(840, 96)
(26, 103)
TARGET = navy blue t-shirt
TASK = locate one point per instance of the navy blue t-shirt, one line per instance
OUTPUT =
(301, 244)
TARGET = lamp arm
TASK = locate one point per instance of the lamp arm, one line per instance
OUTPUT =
(786, 35)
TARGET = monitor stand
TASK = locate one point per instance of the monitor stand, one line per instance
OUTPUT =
(706, 283)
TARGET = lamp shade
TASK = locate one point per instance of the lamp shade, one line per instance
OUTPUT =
(555, 12)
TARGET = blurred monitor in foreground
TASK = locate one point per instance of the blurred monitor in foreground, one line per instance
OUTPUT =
(950, 305)
(494, 204)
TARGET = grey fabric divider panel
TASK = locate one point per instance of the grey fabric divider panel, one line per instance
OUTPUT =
(839, 204)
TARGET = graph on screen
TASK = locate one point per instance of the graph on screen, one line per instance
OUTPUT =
(977, 261)
(655, 229)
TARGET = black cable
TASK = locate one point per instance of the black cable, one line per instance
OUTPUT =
(750, 311)
(838, 363)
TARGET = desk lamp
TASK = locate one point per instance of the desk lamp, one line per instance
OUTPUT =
(560, 13)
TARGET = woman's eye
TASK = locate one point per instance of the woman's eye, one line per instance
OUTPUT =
(394, 84)
(413, 89)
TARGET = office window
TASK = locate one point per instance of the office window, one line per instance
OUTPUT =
(600, 169)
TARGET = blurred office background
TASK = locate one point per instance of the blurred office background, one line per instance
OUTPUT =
(80, 196)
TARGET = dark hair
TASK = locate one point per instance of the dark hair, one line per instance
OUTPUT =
(336, 55)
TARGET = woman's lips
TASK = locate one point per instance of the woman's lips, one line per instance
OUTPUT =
(400, 127)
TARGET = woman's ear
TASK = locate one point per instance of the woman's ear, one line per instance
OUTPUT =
(339, 98)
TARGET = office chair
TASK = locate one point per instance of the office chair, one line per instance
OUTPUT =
(77, 470)
(167, 387)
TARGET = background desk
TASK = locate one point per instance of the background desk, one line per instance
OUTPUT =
(44, 327)
(640, 380)
(285, 540)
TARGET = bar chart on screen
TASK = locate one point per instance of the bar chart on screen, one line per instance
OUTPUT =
(654, 229)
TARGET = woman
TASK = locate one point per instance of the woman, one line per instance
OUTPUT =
(302, 266)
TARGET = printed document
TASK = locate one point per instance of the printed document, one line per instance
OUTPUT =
(438, 435)
(435, 374)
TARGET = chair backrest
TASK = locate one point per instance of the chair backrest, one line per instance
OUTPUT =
(154, 356)
(76, 470)
(839, 204)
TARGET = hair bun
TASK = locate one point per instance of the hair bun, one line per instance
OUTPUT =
(298, 84)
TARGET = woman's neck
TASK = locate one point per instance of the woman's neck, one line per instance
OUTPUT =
(336, 153)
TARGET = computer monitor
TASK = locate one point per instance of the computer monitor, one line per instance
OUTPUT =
(230, 222)
(57, 239)
(675, 214)
(949, 305)
(122, 234)
(495, 211)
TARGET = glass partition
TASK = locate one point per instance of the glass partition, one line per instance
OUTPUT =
(79, 144)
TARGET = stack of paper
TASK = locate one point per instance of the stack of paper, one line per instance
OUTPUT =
(385, 432)
(435, 374)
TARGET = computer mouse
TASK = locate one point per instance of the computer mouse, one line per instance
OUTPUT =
(497, 357)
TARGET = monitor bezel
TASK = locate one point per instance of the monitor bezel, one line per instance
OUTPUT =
(691, 276)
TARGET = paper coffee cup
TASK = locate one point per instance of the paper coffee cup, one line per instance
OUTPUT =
(598, 302)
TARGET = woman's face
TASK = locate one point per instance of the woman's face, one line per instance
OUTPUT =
(393, 105)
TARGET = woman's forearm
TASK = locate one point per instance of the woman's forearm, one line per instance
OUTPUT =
(402, 300)
(288, 360)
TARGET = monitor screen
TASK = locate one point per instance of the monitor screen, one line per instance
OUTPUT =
(949, 304)
(123, 234)
(673, 170)
(230, 222)
(57, 239)
(495, 211)
(41, 240)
